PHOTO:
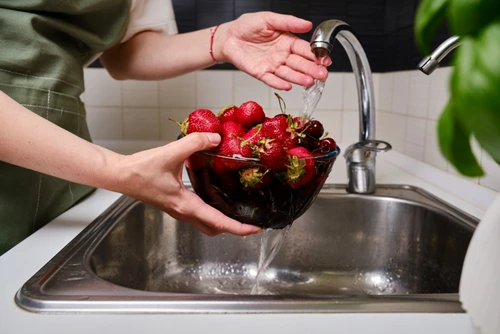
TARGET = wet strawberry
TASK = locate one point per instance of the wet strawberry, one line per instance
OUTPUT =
(253, 136)
(254, 177)
(200, 120)
(228, 114)
(272, 155)
(231, 128)
(233, 147)
(275, 127)
(281, 129)
(299, 122)
(300, 169)
(218, 166)
(250, 113)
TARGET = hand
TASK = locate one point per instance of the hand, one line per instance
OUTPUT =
(155, 177)
(262, 44)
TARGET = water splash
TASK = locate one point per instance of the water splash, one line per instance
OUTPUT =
(270, 244)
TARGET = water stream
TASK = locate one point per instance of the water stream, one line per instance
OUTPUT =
(272, 240)
(311, 97)
(270, 244)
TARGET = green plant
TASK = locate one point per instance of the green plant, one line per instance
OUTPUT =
(474, 105)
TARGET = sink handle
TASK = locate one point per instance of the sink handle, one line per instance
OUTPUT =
(359, 151)
(360, 158)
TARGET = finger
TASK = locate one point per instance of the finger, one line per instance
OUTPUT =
(282, 22)
(276, 82)
(302, 48)
(307, 67)
(204, 228)
(288, 74)
(193, 142)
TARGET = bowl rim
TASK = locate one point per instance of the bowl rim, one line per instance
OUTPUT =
(330, 155)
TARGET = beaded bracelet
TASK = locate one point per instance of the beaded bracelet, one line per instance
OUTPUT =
(212, 43)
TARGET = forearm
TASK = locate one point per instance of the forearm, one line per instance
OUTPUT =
(154, 56)
(32, 142)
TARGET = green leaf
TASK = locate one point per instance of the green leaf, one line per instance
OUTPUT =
(454, 142)
(430, 15)
(468, 17)
(475, 87)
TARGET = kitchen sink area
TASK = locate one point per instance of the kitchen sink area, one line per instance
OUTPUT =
(397, 250)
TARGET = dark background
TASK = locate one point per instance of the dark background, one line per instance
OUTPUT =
(384, 27)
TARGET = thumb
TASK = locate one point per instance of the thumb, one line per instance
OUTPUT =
(289, 23)
(194, 142)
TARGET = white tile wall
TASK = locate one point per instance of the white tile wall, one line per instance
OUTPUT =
(410, 124)
(408, 106)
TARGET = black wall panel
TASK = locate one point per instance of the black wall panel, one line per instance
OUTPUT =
(384, 27)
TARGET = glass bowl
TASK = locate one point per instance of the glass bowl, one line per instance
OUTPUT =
(273, 205)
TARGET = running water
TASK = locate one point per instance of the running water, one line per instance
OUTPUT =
(272, 240)
(311, 97)
(270, 244)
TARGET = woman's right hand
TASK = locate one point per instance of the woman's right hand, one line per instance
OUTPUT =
(155, 177)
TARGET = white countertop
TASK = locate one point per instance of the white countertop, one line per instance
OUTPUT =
(24, 260)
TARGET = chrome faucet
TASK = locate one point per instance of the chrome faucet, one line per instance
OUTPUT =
(430, 63)
(360, 157)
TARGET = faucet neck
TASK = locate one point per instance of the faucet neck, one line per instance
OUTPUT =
(360, 157)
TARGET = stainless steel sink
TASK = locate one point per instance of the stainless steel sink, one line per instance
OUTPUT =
(398, 250)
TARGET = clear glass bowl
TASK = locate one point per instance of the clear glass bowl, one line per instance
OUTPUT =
(273, 205)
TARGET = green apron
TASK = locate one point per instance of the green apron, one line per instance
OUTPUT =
(44, 46)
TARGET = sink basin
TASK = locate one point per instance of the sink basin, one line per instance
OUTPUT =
(397, 250)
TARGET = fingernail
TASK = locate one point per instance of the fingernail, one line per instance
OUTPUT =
(214, 138)
(259, 231)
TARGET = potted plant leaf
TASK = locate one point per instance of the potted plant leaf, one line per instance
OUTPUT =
(473, 110)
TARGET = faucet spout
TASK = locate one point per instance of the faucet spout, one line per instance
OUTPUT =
(322, 42)
(360, 157)
(430, 63)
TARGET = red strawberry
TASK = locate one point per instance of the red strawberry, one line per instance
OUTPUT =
(218, 166)
(300, 169)
(299, 122)
(280, 128)
(254, 135)
(200, 120)
(290, 143)
(272, 154)
(233, 147)
(231, 128)
(228, 114)
(250, 113)
(254, 177)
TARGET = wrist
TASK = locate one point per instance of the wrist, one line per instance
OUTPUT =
(218, 41)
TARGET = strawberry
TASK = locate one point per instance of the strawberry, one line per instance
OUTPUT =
(299, 122)
(250, 113)
(252, 139)
(200, 120)
(233, 147)
(231, 128)
(218, 166)
(228, 114)
(254, 177)
(272, 155)
(300, 169)
(281, 129)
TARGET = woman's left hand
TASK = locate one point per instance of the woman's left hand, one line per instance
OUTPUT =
(263, 45)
